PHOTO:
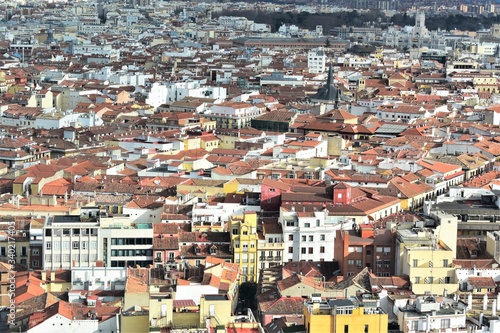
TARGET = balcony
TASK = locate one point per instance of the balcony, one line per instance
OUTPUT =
(269, 258)
(277, 258)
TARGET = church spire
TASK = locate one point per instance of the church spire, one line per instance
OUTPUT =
(330, 75)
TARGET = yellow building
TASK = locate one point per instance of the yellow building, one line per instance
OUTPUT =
(426, 256)
(191, 142)
(134, 320)
(336, 145)
(209, 142)
(160, 308)
(344, 316)
(202, 188)
(217, 308)
(244, 241)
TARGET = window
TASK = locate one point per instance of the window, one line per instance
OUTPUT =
(417, 279)
(290, 249)
(84, 245)
(445, 262)
(431, 264)
(290, 237)
(310, 250)
(358, 262)
(321, 249)
(35, 252)
(303, 250)
(304, 238)
(355, 249)
(415, 262)
(48, 245)
(307, 225)
(350, 262)
(380, 249)
(311, 238)
(366, 328)
(321, 237)
(235, 231)
(445, 323)
(75, 245)
(346, 328)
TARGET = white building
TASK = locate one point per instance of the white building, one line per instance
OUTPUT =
(307, 237)
(426, 314)
(316, 60)
(207, 215)
(70, 241)
(169, 92)
(56, 120)
(97, 278)
(122, 77)
(125, 244)
(234, 22)
(233, 115)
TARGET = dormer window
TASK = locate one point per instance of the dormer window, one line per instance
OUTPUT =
(197, 250)
(213, 250)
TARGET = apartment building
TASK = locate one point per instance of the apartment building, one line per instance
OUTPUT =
(365, 246)
(124, 243)
(307, 236)
(428, 314)
(244, 241)
(270, 246)
(233, 115)
(316, 60)
(426, 256)
(71, 240)
(344, 316)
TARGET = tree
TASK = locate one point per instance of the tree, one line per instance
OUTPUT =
(327, 43)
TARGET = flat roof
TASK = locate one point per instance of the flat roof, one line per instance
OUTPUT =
(216, 297)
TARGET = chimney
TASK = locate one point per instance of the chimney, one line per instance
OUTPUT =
(52, 275)
(44, 276)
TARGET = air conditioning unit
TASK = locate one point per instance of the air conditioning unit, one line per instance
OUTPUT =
(386, 266)
(379, 266)
(359, 266)
(386, 253)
